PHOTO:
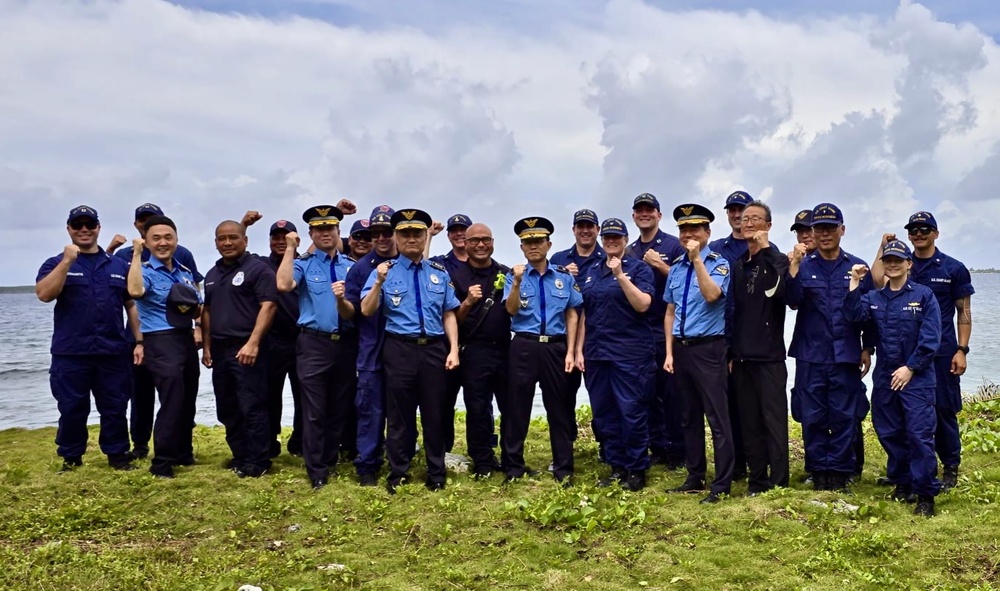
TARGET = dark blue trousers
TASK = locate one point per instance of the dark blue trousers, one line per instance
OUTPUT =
(905, 422)
(172, 360)
(241, 403)
(73, 378)
(830, 396)
(620, 395)
(143, 399)
(369, 404)
(948, 402)
(483, 370)
(666, 435)
(327, 378)
(281, 364)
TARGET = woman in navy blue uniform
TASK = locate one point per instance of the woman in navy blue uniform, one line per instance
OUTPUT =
(616, 350)
(908, 320)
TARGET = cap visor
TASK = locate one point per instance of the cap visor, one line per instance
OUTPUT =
(415, 225)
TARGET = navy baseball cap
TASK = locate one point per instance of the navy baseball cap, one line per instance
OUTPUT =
(921, 218)
(381, 209)
(827, 214)
(646, 199)
(82, 211)
(360, 226)
(613, 227)
(585, 215)
(147, 209)
(896, 248)
(182, 305)
(282, 226)
(380, 220)
(803, 219)
(459, 219)
(739, 199)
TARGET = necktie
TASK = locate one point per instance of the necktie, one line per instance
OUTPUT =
(541, 302)
(333, 270)
(420, 304)
(684, 306)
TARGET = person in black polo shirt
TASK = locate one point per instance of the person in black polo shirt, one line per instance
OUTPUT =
(484, 336)
(240, 303)
(759, 376)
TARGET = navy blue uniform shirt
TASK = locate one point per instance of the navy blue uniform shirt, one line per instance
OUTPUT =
(234, 294)
(371, 329)
(822, 333)
(669, 248)
(732, 248)
(908, 329)
(583, 263)
(286, 319)
(614, 330)
(488, 320)
(950, 280)
(450, 261)
(88, 318)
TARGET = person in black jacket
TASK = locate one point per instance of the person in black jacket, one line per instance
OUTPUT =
(758, 352)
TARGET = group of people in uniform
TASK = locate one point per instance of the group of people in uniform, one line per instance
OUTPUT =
(666, 331)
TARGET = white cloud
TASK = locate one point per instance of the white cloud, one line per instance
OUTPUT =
(119, 102)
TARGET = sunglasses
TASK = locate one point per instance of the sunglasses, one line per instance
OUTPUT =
(80, 224)
(359, 237)
(921, 230)
(381, 234)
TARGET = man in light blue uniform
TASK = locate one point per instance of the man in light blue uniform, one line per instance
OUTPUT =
(168, 303)
(421, 347)
(326, 349)
(909, 333)
(695, 324)
(543, 302)
(90, 352)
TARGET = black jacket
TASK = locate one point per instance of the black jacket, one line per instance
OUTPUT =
(758, 288)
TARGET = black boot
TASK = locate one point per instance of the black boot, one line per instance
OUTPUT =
(636, 481)
(950, 478)
(902, 493)
(618, 474)
(121, 462)
(821, 480)
(925, 506)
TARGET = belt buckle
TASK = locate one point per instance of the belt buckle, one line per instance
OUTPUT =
(422, 340)
(543, 338)
(334, 336)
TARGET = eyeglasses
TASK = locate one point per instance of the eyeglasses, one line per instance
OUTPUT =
(359, 237)
(376, 234)
(475, 241)
(826, 228)
(80, 224)
(752, 219)
(921, 230)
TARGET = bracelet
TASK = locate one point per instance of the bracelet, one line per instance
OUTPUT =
(139, 342)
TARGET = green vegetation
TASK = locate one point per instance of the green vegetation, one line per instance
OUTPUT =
(98, 529)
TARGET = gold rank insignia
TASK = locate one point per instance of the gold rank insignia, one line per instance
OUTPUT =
(323, 211)
(408, 214)
(723, 271)
(183, 308)
(531, 223)
(802, 215)
(687, 210)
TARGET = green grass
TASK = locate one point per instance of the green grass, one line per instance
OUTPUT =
(98, 529)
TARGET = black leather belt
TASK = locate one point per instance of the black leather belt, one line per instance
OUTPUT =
(330, 336)
(416, 340)
(698, 340)
(541, 338)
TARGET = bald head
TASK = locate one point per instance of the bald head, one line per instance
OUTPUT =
(479, 244)
(230, 226)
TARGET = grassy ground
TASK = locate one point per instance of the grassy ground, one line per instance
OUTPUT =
(98, 529)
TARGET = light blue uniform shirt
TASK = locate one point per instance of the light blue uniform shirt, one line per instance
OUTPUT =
(415, 297)
(543, 300)
(158, 281)
(314, 275)
(693, 316)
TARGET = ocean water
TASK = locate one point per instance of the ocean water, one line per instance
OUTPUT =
(26, 331)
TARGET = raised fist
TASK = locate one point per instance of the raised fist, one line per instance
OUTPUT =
(615, 264)
(292, 240)
(518, 271)
(435, 228)
(572, 269)
(887, 238)
(382, 270)
(71, 252)
(858, 272)
(693, 247)
(760, 238)
(250, 217)
(338, 289)
(347, 207)
(117, 241)
(475, 293)
(798, 252)
(137, 245)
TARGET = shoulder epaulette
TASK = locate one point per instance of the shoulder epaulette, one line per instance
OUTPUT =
(183, 268)
(679, 259)
(305, 256)
(437, 265)
(348, 257)
(561, 269)
(713, 255)
(145, 264)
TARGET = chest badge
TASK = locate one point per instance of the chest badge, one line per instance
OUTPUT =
(434, 279)
(524, 302)
(559, 283)
(396, 299)
(238, 279)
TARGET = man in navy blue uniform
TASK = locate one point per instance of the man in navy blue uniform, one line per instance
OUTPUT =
(615, 348)
(326, 350)
(831, 354)
(280, 343)
(168, 303)
(421, 347)
(240, 303)
(658, 248)
(143, 393)
(484, 341)
(360, 239)
(369, 401)
(543, 301)
(90, 352)
(456, 227)
(733, 248)
(577, 260)
(695, 323)
(951, 283)
(908, 323)
(758, 374)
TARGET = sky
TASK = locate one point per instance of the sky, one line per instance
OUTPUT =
(499, 110)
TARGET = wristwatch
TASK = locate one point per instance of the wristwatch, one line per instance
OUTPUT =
(964, 349)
